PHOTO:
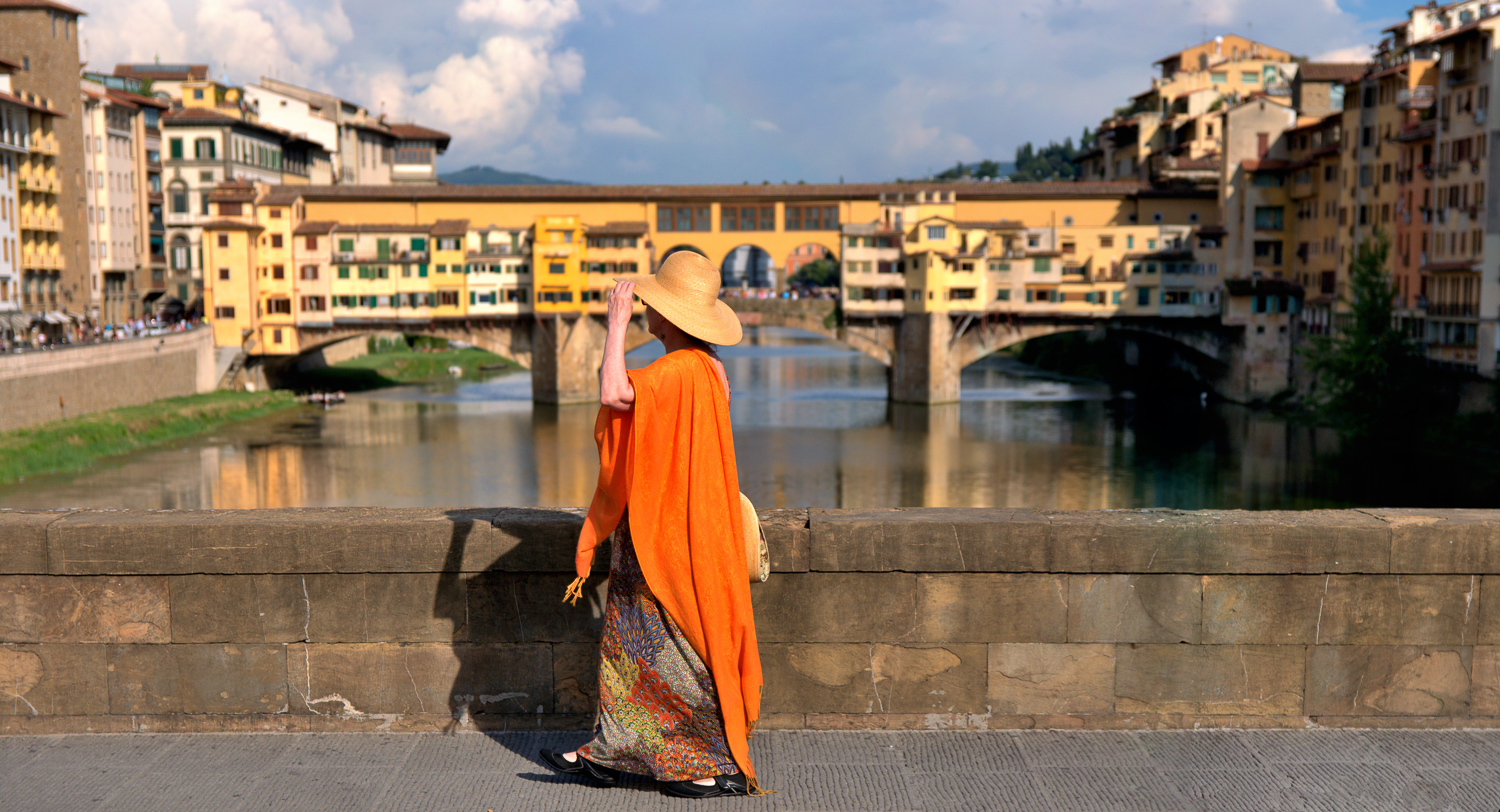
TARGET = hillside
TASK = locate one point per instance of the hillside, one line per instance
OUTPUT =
(490, 176)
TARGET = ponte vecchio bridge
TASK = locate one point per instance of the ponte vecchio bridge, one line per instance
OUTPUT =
(931, 277)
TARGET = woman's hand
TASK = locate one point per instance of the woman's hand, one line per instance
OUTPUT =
(615, 389)
(621, 305)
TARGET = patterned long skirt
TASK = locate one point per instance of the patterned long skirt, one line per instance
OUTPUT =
(658, 710)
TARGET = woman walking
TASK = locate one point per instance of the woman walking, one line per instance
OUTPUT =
(679, 671)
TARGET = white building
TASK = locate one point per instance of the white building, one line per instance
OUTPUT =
(366, 149)
(14, 145)
(113, 193)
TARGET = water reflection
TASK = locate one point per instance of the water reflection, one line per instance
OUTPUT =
(812, 427)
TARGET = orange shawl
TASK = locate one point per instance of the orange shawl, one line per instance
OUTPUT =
(671, 460)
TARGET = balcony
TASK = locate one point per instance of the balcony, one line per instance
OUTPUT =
(40, 222)
(32, 260)
(1462, 310)
(1421, 97)
(45, 146)
(395, 257)
(1461, 76)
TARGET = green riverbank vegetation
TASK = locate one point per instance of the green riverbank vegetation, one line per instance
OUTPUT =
(397, 361)
(76, 443)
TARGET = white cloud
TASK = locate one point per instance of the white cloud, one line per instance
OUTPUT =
(242, 39)
(765, 126)
(499, 97)
(504, 95)
(623, 126)
(1353, 53)
(542, 15)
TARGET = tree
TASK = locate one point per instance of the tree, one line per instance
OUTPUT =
(1367, 377)
(1052, 162)
(820, 273)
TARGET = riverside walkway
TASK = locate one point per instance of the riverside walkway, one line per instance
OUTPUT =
(1162, 771)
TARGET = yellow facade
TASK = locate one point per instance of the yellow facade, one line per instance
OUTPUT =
(557, 257)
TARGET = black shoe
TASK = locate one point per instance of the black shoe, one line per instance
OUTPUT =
(582, 767)
(723, 786)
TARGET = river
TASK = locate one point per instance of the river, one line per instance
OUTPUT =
(812, 428)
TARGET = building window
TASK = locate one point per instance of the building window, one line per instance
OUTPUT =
(1249, 77)
(747, 218)
(1143, 296)
(223, 274)
(203, 148)
(812, 218)
(309, 272)
(279, 306)
(1269, 218)
(1106, 241)
(311, 243)
(224, 312)
(174, 148)
(1219, 77)
(275, 240)
(1042, 265)
(1069, 248)
(682, 218)
(1268, 252)
(313, 304)
(937, 232)
(278, 271)
(556, 267)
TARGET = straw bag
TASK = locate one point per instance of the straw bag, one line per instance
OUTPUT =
(757, 554)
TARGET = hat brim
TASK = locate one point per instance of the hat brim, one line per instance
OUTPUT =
(719, 325)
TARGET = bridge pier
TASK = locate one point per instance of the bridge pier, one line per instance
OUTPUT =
(566, 351)
(924, 368)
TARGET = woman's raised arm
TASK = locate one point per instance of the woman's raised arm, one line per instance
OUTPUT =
(615, 389)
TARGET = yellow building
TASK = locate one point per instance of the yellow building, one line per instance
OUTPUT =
(557, 255)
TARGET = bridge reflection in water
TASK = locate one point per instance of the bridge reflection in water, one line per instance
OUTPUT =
(812, 428)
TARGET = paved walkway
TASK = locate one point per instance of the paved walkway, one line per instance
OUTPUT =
(1257, 771)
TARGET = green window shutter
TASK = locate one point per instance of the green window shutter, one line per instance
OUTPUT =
(422, 270)
(176, 147)
(343, 271)
(346, 246)
(1043, 264)
(419, 243)
(472, 297)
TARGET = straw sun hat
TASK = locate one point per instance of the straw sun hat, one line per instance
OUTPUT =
(685, 291)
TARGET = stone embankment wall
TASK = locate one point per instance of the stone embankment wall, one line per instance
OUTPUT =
(37, 387)
(364, 619)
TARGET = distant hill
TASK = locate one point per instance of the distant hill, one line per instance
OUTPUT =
(490, 176)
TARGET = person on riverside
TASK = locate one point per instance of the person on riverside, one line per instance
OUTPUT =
(679, 670)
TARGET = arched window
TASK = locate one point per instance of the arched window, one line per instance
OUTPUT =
(177, 194)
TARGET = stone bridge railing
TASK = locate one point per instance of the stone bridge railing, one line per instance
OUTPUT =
(421, 619)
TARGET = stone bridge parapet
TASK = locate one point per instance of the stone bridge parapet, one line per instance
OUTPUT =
(425, 619)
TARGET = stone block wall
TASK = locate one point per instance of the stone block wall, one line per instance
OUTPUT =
(422, 619)
(38, 387)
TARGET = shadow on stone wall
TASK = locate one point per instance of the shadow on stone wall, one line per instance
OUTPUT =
(527, 661)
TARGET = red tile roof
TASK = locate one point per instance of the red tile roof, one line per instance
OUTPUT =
(168, 72)
(450, 228)
(4, 4)
(829, 192)
(1332, 71)
(414, 132)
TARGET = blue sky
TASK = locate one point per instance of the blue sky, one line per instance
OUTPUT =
(696, 91)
